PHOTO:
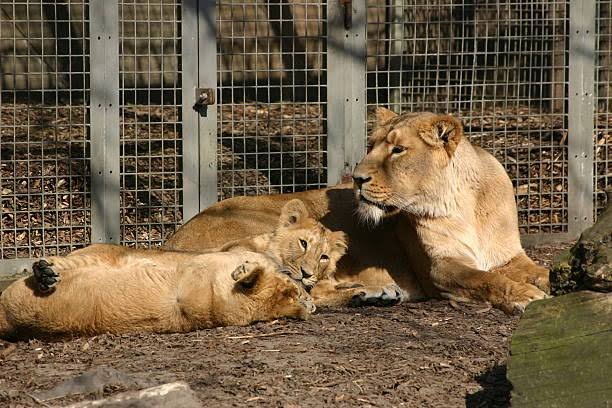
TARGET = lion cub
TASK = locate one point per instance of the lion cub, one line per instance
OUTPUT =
(108, 288)
(300, 245)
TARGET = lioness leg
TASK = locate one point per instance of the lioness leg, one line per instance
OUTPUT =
(458, 281)
(329, 293)
(523, 270)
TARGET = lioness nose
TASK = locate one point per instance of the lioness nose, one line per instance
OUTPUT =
(361, 179)
(306, 272)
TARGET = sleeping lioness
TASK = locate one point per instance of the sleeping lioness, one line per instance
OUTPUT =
(438, 217)
(108, 288)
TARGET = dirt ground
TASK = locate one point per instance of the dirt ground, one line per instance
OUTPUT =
(415, 355)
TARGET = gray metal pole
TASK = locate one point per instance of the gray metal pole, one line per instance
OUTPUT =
(190, 124)
(104, 113)
(207, 71)
(581, 114)
(346, 88)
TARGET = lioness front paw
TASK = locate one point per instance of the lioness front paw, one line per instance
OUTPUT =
(46, 278)
(541, 280)
(521, 297)
(385, 296)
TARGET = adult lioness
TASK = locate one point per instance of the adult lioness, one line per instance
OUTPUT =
(444, 212)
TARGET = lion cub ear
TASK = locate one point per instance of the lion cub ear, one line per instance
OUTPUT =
(447, 130)
(339, 242)
(246, 275)
(383, 115)
(292, 213)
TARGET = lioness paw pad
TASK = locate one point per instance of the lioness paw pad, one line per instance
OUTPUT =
(46, 278)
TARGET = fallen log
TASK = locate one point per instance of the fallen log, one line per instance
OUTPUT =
(561, 353)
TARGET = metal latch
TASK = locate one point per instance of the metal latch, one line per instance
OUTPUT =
(203, 98)
(348, 13)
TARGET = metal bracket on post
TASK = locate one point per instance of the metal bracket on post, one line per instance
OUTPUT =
(581, 114)
(346, 87)
(104, 121)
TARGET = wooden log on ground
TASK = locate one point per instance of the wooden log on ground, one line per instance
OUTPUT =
(561, 353)
(588, 264)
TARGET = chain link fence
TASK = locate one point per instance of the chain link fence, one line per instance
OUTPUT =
(100, 140)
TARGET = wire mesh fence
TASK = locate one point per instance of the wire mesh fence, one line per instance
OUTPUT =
(272, 117)
(44, 128)
(501, 67)
(150, 120)
(504, 67)
(603, 120)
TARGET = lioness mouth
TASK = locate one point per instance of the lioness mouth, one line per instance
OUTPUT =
(373, 203)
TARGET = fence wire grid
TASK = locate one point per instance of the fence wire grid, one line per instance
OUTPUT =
(503, 67)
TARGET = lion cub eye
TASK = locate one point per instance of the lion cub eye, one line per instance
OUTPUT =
(397, 149)
(304, 244)
(324, 258)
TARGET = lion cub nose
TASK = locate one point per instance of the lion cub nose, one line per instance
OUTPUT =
(361, 179)
(306, 272)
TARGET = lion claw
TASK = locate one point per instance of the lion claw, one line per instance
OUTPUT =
(46, 278)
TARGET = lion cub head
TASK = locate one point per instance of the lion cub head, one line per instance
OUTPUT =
(271, 294)
(303, 247)
(408, 165)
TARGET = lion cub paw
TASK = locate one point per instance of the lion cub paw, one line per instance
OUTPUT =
(522, 297)
(385, 296)
(46, 278)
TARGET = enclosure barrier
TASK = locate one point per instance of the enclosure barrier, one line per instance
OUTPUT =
(121, 120)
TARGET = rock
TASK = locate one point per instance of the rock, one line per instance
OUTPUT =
(171, 395)
(561, 353)
(92, 381)
(588, 264)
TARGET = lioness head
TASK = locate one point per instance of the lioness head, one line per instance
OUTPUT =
(406, 167)
(303, 247)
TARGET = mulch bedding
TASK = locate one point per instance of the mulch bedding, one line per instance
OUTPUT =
(262, 149)
(414, 354)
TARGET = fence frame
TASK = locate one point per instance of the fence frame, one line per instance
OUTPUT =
(346, 113)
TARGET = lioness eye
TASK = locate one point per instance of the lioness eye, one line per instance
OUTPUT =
(303, 244)
(397, 149)
(324, 258)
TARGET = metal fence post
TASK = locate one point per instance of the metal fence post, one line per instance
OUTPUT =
(199, 63)
(207, 79)
(104, 116)
(346, 87)
(190, 128)
(581, 113)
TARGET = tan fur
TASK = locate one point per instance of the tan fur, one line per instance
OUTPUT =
(437, 218)
(106, 288)
(300, 245)
(459, 201)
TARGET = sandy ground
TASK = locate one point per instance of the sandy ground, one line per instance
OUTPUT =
(427, 354)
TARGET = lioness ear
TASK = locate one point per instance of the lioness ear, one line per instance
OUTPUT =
(383, 115)
(246, 276)
(448, 131)
(340, 242)
(292, 213)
